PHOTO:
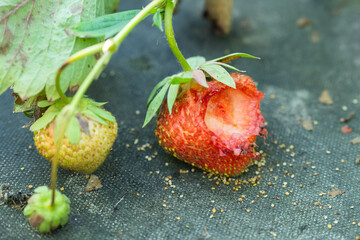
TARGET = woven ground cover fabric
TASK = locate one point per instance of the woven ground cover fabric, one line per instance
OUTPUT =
(298, 63)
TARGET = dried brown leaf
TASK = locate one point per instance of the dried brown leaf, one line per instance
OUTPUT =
(355, 140)
(335, 193)
(307, 124)
(325, 98)
(93, 184)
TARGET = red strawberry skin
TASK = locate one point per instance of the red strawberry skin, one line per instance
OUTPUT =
(214, 128)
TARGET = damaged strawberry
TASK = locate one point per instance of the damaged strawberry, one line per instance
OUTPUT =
(211, 118)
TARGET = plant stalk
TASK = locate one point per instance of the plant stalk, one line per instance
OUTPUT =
(69, 110)
(169, 9)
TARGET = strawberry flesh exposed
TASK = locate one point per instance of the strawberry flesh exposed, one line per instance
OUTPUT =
(214, 128)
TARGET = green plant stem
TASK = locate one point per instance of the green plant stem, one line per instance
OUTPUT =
(78, 55)
(169, 9)
(69, 109)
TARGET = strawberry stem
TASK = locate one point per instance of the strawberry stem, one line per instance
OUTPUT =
(108, 47)
(170, 5)
(80, 54)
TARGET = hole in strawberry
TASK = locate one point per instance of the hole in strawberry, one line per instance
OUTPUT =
(233, 116)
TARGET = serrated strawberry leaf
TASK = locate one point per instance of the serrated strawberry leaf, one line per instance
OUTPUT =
(44, 104)
(155, 89)
(155, 104)
(102, 113)
(182, 77)
(104, 26)
(196, 62)
(219, 74)
(33, 43)
(232, 57)
(48, 117)
(171, 97)
(200, 78)
(226, 65)
(94, 117)
(157, 20)
(73, 131)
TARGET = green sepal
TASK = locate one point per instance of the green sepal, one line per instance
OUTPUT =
(232, 57)
(155, 89)
(182, 77)
(219, 74)
(26, 106)
(102, 113)
(94, 117)
(196, 61)
(155, 104)
(157, 20)
(73, 130)
(225, 65)
(47, 118)
(104, 26)
(172, 94)
(44, 103)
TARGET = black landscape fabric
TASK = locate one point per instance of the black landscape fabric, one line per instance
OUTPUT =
(303, 168)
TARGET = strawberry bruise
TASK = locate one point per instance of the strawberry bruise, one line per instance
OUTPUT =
(214, 128)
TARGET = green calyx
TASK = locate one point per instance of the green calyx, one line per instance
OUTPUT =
(44, 216)
(200, 70)
(87, 109)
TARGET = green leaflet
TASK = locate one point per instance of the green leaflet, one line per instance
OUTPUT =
(219, 74)
(155, 104)
(73, 131)
(104, 26)
(28, 105)
(196, 61)
(95, 117)
(42, 122)
(232, 57)
(157, 20)
(226, 65)
(102, 113)
(157, 87)
(171, 97)
(33, 43)
(182, 77)
(44, 103)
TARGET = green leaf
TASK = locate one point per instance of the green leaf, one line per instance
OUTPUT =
(232, 56)
(156, 88)
(42, 122)
(28, 105)
(200, 78)
(104, 26)
(155, 104)
(196, 62)
(171, 97)
(73, 131)
(182, 77)
(33, 43)
(94, 117)
(102, 113)
(44, 104)
(157, 20)
(226, 65)
(219, 73)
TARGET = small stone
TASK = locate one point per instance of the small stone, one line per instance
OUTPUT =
(303, 22)
(325, 98)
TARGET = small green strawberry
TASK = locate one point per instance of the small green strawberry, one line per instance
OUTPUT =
(44, 216)
(89, 136)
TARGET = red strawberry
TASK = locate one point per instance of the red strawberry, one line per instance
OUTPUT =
(214, 128)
